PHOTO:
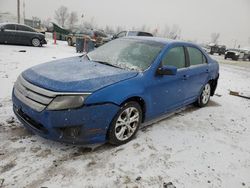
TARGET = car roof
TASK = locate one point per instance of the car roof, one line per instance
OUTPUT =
(13, 23)
(164, 41)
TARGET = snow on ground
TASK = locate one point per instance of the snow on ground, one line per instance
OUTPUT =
(196, 147)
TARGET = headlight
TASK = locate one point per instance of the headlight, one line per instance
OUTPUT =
(67, 102)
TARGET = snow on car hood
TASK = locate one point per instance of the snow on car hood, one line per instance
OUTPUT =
(75, 75)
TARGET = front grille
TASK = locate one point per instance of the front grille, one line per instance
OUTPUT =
(33, 96)
(32, 123)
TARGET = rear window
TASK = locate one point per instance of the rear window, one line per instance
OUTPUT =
(132, 33)
(196, 57)
(24, 28)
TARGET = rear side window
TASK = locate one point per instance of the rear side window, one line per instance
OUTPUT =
(196, 57)
(10, 27)
(175, 57)
(24, 28)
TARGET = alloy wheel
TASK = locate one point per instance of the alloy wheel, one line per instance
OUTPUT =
(127, 123)
(206, 94)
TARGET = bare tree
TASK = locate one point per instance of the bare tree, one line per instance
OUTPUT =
(73, 19)
(172, 33)
(46, 23)
(215, 37)
(61, 15)
(119, 29)
(109, 30)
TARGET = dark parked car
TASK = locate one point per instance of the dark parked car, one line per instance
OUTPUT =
(219, 49)
(107, 94)
(11, 33)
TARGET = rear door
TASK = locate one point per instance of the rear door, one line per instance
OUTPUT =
(198, 74)
(24, 34)
(8, 34)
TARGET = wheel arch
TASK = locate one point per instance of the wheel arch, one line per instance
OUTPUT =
(213, 83)
(140, 101)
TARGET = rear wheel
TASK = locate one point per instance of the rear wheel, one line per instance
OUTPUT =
(36, 42)
(235, 58)
(125, 124)
(70, 42)
(204, 96)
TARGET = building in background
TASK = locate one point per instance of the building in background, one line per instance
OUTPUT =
(8, 17)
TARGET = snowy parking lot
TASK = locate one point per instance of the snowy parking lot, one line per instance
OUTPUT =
(193, 148)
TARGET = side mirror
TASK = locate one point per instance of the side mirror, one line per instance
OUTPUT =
(114, 37)
(2, 29)
(167, 70)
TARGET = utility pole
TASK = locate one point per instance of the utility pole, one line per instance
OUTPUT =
(18, 11)
(23, 9)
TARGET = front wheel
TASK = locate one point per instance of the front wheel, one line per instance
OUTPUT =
(204, 96)
(36, 42)
(70, 43)
(125, 124)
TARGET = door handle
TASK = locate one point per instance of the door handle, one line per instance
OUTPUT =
(185, 77)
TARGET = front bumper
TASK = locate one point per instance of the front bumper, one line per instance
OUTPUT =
(86, 125)
(43, 41)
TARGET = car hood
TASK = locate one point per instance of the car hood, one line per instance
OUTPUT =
(75, 75)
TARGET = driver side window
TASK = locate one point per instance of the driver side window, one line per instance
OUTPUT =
(175, 57)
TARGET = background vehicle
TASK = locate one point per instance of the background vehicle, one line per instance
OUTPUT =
(126, 34)
(132, 33)
(113, 89)
(11, 33)
(219, 49)
(95, 35)
(234, 54)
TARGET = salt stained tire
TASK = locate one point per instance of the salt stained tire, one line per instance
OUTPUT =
(204, 96)
(125, 124)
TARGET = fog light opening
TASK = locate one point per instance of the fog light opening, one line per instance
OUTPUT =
(70, 132)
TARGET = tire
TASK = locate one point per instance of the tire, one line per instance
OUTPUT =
(204, 96)
(235, 58)
(70, 42)
(36, 42)
(121, 130)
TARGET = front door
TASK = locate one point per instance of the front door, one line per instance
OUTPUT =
(167, 91)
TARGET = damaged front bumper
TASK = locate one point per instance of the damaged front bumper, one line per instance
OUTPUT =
(86, 125)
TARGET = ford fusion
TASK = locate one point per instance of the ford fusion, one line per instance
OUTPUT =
(106, 95)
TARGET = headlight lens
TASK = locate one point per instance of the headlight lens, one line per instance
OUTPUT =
(67, 102)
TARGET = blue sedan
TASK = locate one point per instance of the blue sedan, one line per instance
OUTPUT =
(109, 93)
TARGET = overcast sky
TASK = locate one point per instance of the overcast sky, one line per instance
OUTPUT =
(196, 18)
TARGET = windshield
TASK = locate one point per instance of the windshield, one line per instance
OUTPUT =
(127, 53)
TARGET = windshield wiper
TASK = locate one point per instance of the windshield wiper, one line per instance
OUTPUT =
(85, 55)
(109, 64)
